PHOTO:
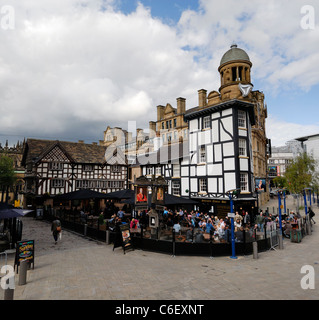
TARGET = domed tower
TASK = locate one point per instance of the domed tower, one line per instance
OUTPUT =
(235, 76)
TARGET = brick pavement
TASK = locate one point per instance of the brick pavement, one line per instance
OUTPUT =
(78, 268)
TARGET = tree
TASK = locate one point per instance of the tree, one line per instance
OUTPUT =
(300, 173)
(280, 182)
(7, 175)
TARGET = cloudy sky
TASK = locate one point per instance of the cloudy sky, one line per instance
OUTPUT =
(70, 68)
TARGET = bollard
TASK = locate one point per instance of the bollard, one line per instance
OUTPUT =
(255, 250)
(85, 229)
(9, 284)
(23, 272)
(280, 241)
(107, 236)
(308, 228)
(8, 294)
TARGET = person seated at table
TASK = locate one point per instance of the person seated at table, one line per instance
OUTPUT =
(83, 216)
(237, 224)
(202, 224)
(134, 223)
(101, 218)
(199, 237)
(169, 222)
(177, 227)
(221, 231)
(239, 235)
(189, 235)
(209, 226)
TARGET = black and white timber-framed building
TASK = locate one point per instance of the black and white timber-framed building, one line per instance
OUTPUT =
(55, 167)
(220, 158)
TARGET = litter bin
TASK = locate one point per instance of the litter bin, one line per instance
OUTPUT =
(295, 235)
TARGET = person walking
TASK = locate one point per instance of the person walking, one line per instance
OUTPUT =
(56, 229)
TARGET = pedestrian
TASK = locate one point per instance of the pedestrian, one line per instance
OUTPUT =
(56, 229)
(260, 221)
(246, 219)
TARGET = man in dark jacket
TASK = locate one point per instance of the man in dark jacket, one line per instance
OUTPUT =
(56, 229)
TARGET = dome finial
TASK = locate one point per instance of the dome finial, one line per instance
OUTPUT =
(234, 45)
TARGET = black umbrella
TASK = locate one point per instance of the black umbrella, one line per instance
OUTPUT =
(122, 194)
(171, 200)
(8, 211)
(81, 195)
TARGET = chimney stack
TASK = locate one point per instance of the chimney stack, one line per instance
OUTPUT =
(181, 105)
(202, 98)
(160, 112)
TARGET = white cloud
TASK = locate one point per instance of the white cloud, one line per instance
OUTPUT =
(280, 131)
(83, 61)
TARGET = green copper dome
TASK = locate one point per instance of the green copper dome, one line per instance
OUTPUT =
(234, 54)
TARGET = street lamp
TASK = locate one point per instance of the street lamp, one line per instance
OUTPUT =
(231, 194)
(279, 208)
(305, 199)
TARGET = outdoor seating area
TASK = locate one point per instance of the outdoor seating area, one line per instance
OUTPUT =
(188, 231)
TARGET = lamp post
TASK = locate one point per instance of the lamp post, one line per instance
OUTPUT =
(305, 199)
(284, 193)
(279, 209)
(231, 194)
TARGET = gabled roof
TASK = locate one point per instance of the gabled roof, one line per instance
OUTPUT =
(36, 149)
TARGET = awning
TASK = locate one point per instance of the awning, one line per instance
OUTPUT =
(8, 211)
(122, 194)
(82, 194)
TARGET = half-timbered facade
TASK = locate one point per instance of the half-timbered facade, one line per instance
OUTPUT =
(168, 162)
(220, 151)
(57, 167)
(222, 135)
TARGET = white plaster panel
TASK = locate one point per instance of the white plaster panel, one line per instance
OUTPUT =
(218, 152)
(229, 164)
(242, 132)
(216, 115)
(228, 149)
(212, 185)
(228, 124)
(193, 185)
(220, 185)
(243, 164)
(227, 112)
(215, 131)
(201, 170)
(230, 181)
(193, 142)
(193, 125)
(184, 171)
(194, 158)
(184, 186)
(214, 169)
(224, 136)
(208, 135)
(209, 153)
